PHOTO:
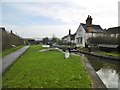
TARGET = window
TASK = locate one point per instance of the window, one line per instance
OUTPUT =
(79, 40)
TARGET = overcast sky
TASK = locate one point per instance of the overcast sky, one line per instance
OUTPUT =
(43, 18)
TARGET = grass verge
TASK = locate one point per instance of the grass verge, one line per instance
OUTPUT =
(46, 70)
(8, 51)
(114, 54)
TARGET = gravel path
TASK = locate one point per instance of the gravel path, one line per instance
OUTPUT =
(6, 61)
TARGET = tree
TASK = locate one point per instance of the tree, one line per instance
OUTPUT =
(54, 40)
(46, 40)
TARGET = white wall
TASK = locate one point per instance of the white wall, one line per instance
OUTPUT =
(67, 39)
(80, 33)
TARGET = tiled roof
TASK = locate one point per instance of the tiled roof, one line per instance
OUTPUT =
(113, 30)
(96, 28)
(64, 37)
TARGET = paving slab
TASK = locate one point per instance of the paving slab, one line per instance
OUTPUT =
(6, 61)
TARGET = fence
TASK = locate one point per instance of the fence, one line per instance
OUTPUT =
(9, 39)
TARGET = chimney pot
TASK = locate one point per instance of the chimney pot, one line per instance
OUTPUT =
(69, 32)
(11, 31)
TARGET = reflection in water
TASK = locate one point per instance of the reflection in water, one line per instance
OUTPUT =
(107, 70)
(109, 78)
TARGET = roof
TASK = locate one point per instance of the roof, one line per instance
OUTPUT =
(64, 37)
(38, 39)
(72, 36)
(107, 46)
(96, 28)
(113, 30)
(2, 28)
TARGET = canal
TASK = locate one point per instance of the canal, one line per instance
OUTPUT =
(107, 70)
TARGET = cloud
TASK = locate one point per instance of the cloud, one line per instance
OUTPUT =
(119, 13)
(34, 0)
(40, 31)
(0, 14)
(66, 13)
(73, 11)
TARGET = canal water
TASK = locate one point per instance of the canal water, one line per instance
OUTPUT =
(107, 70)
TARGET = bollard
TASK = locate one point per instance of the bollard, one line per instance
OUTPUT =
(67, 54)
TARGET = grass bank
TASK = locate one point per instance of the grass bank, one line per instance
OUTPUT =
(46, 70)
(114, 54)
(10, 50)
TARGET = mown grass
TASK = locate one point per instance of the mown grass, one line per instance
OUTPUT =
(10, 50)
(46, 70)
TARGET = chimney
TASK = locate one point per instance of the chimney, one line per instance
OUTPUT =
(69, 32)
(89, 24)
(89, 21)
(11, 31)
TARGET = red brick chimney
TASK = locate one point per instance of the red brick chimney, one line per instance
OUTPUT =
(89, 24)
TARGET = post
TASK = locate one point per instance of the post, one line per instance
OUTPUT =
(89, 48)
(67, 54)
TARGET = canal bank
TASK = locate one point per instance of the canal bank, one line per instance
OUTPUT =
(94, 78)
(107, 70)
(97, 55)
(96, 81)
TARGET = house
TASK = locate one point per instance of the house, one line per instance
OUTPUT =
(39, 41)
(113, 32)
(31, 41)
(84, 32)
(70, 38)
